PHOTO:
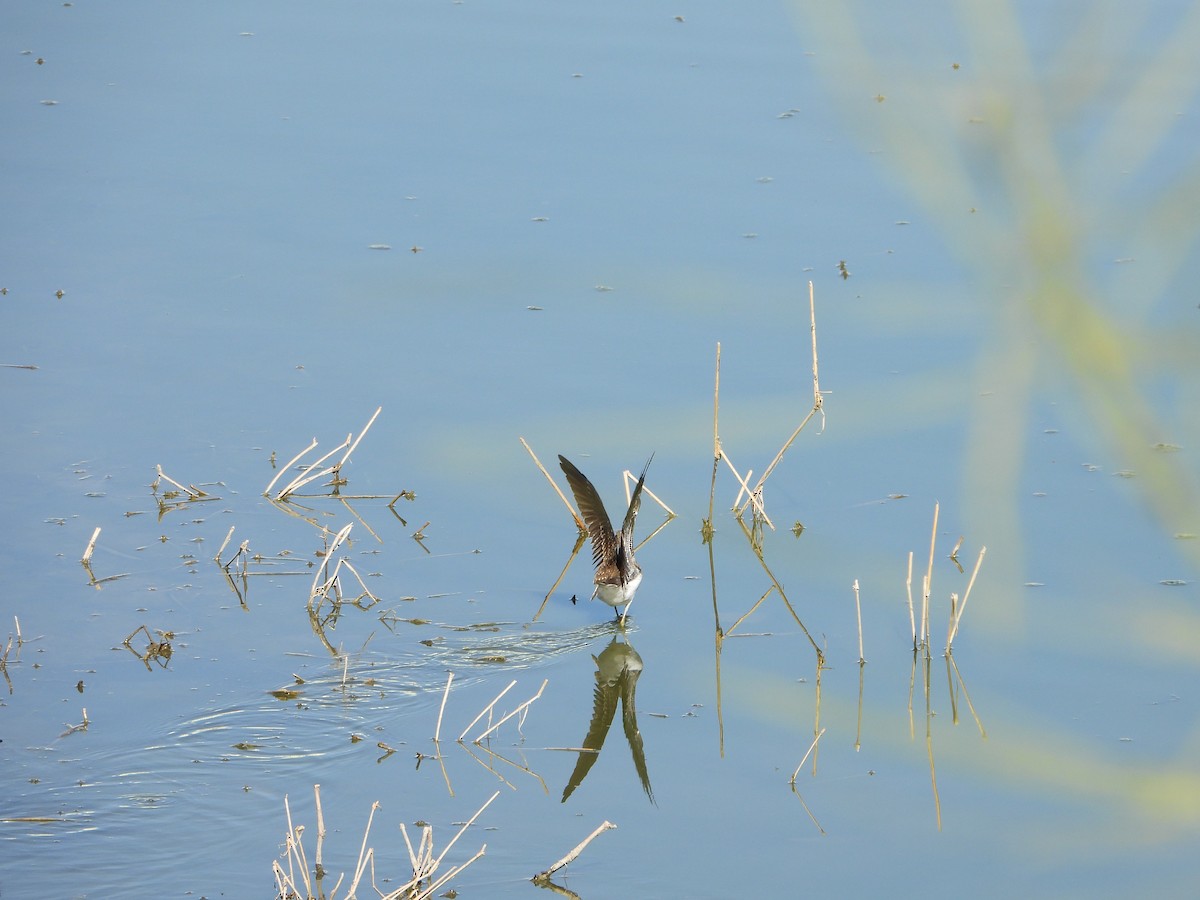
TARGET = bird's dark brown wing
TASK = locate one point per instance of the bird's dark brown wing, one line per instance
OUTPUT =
(604, 542)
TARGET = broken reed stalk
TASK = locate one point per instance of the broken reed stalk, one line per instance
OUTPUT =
(295, 855)
(307, 475)
(811, 747)
(361, 583)
(313, 471)
(191, 490)
(706, 527)
(754, 494)
(295, 459)
(962, 606)
(362, 434)
(224, 544)
(858, 609)
(324, 567)
(437, 732)
(574, 854)
(318, 860)
(818, 400)
(524, 706)
(571, 509)
(929, 577)
(423, 863)
(717, 406)
(483, 712)
(365, 854)
(466, 825)
(950, 622)
(911, 618)
(649, 493)
(91, 546)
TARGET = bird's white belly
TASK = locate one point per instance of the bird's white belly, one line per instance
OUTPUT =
(615, 594)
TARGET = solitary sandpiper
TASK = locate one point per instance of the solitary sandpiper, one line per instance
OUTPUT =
(617, 572)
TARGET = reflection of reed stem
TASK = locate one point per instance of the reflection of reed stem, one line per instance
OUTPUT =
(811, 747)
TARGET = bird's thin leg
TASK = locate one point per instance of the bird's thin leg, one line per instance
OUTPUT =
(626, 613)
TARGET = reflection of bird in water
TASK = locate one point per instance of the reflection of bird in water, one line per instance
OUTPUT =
(617, 572)
(617, 671)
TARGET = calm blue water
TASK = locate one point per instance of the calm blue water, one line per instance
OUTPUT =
(579, 204)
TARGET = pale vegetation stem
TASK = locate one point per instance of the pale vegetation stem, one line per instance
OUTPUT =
(574, 854)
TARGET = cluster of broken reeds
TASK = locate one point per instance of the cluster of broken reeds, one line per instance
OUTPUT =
(299, 878)
(749, 511)
(957, 607)
(300, 882)
(750, 502)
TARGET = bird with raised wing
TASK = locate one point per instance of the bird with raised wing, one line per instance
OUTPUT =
(617, 572)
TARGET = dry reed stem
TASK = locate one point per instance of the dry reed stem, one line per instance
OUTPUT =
(571, 509)
(295, 852)
(192, 491)
(466, 825)
(524, 706)
(224, 544)
(91, 546)
(320, 854)
(754, 495)
(716, 406)
(366, 590)
(574, 854)
(314, 471)
(706, 527)
(950, 621)
(811, 747)
(437, 732)
(366, 855)
(818, 402)
(307, 475)
(929, 576)
(483, 712)
(362, 434)
(649, 493)
(324, 567)
(962, 606)
(858, 610)
(295, 459)
(908, 585)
